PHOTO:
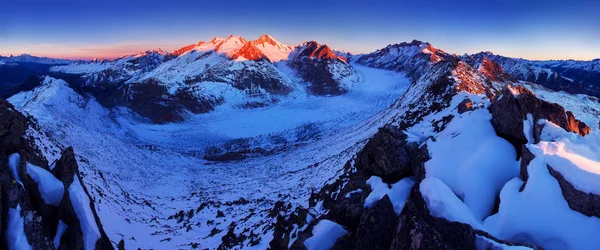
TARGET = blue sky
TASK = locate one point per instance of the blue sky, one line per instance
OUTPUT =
(89, 28)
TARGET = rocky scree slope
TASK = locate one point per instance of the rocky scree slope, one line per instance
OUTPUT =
(42, 205)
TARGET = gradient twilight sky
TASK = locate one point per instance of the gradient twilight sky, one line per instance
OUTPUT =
(109, 28)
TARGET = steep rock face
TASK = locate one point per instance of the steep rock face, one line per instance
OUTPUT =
(515, 104)
(326, 72)
(25, 201)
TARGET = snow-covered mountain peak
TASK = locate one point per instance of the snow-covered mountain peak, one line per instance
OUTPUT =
(272, 49)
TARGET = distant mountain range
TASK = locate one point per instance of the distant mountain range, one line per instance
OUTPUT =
(163, 86)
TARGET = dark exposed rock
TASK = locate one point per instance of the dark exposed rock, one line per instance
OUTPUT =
(465, 105)
(377, 225)
(388, 155)
(585, 203)
(121, 245)
(283, 227)
(12, 127)
(513, 104)
(525, 160)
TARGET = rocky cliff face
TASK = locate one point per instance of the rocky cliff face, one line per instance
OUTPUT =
(42, 205)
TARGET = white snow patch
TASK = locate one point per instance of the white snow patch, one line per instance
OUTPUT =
(349, 194)
(81, 205)
(60, 230)
(398, 193)
(15, 233)
(443, 203)
(13, 163)
(325, 234)
(50, 188)
(472, 160)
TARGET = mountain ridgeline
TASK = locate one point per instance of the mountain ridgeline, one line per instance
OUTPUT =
(165, 87)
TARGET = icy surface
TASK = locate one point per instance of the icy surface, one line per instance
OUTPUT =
(81, 205)
(50, 188)
(60, 230)
(398, 193)
(13, 163)
(15, 233)
(325, 234)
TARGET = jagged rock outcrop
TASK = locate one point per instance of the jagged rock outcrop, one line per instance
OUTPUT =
(513, 105)
(20, 195)
(388, 155)
(585, 203)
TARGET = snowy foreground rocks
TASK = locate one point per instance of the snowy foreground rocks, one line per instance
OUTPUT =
(492, 169)
(38, 213)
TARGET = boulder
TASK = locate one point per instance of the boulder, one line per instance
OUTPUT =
(388, 155)
(377, 225)
(465, 105)
(585, 203)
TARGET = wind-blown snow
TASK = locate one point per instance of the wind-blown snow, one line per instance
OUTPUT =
(442, 202)
(50, 188)
(325, 234)
(13, 163)
(471, 159)
(60, 230)
(81, 206)
(540, 215)
(15, 233)
(398, 193)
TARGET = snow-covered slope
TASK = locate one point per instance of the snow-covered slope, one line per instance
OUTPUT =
(166, 161)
